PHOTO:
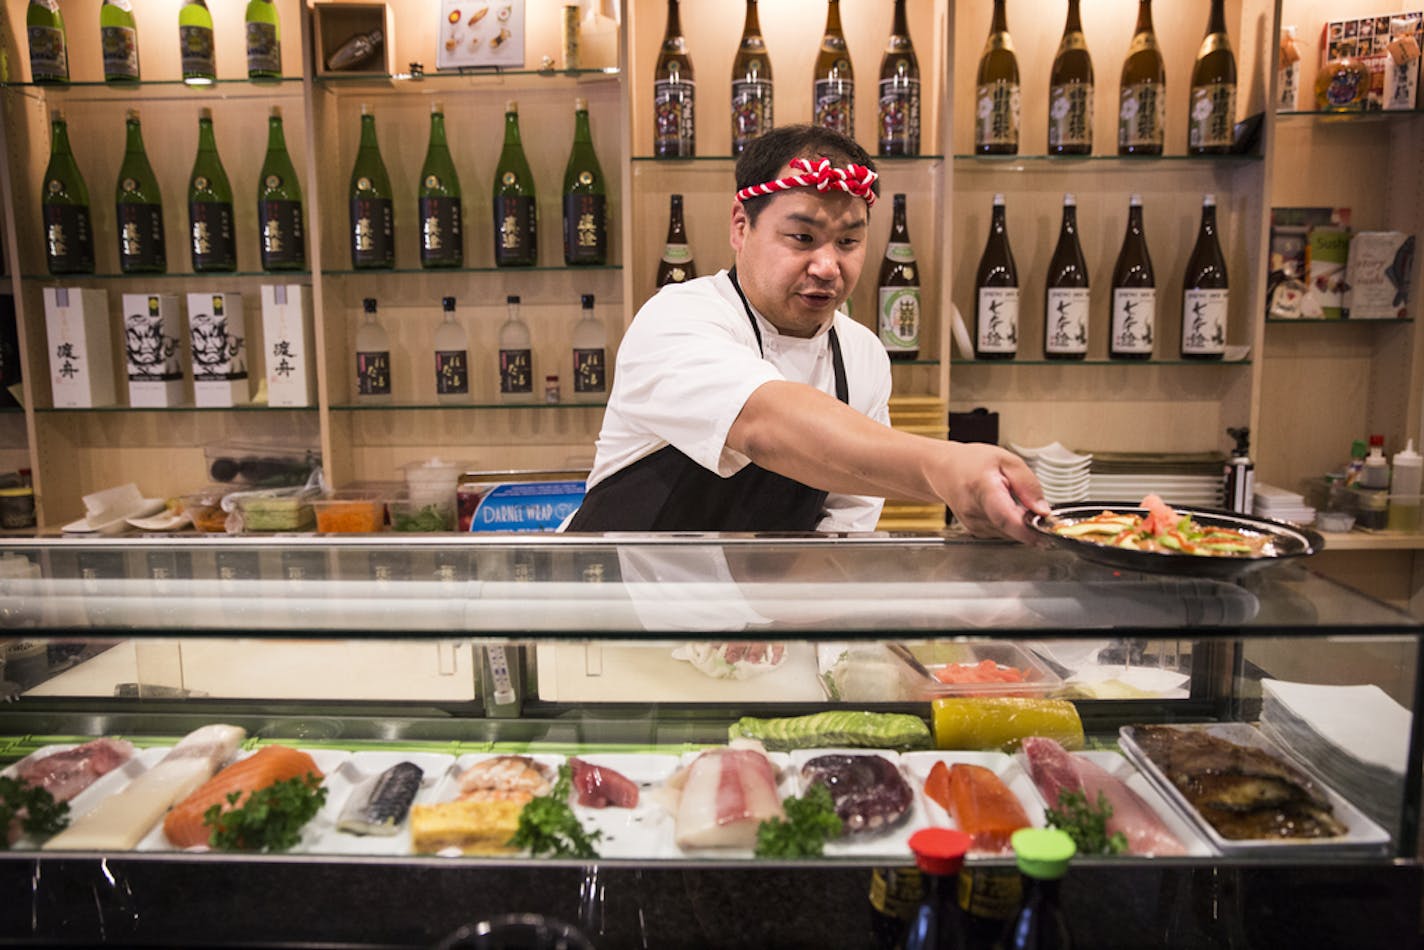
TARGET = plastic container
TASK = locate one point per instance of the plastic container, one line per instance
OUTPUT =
(421, 514)
(1375, 473)
(204, 508)
(929, 662)
(259, 465)
(1370, 507)
(17, 508)
(350, 512)
(1337, 521)
(275, 512)
(432, 481)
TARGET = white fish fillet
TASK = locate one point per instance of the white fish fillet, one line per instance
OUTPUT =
(1145, 832)
(120, 821)
(726, 793)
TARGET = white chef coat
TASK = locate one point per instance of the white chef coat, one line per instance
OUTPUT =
(688, 364)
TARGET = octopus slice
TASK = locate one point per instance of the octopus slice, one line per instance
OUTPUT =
(869, 792)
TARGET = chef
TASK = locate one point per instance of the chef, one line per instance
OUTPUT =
(745, 401)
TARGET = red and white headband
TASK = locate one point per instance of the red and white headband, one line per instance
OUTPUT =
(823, 176)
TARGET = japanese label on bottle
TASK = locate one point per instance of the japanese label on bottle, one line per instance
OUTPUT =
(441, 238)
(997, 116)
(589, 370)
(516, 371)
(48, 58)
(264, 52)
(373, 373)
(900, 319)
(1070, 115)
(1204, 322)
(283, 244)
(1213, 116)
(141, 237)
(900, 116)
(514, 235)
(213, 240)
(585, 229)
(372, 232)
(674, 105)
(452, 372)
(751, 111)
(69, 239)
(994, 893)
(1134, 311)
(834, 105)
(120, 45)
(997, 326)
(1067, 320)
(196, 43)
(1142, 117)
(238, 565)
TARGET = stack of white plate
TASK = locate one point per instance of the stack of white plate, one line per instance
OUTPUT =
(1184, 479)
(1198, 491)
(1281, 505)
(1063, 474)
(1357, 737)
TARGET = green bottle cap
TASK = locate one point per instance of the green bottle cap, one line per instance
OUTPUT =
(1043, 853)
(1358, 449)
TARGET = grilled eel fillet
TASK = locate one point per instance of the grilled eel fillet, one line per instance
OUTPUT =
(1243, 792)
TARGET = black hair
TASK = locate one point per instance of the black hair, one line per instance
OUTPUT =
(767, 154)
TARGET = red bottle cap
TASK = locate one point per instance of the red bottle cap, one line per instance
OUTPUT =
(940, 850)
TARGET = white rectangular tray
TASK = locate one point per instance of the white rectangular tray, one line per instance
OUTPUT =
(918, 765)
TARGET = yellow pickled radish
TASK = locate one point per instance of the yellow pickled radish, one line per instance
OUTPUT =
(1003, 722)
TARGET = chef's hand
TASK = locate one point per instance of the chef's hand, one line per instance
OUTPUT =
(988, 489)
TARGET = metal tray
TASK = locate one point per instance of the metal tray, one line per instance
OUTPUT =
(1362, 835)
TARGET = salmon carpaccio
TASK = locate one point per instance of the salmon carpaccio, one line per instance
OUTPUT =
(271, 764)
(981, 805)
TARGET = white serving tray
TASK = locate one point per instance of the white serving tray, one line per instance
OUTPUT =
(892, 842)
(1362, 834)
(918, 765)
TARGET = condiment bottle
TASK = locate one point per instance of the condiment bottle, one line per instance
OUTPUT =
(939, 853)
(1375, 473)
(1042, 855)
(1357, 462)
(1404, 484)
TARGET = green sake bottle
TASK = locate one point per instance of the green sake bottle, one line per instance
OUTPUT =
(195, 42)
(118, 37)
(64, 204)
(140, 208)
(49, 52)
(373, 244)
(279, 204)
(585, 198)
(516, 238)
(264, 40)
(442, 238)
(211, 229)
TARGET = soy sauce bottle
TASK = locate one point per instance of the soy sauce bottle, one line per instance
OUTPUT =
(939, 854)
(1042, 855)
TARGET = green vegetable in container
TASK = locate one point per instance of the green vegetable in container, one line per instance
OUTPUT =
(429, 518)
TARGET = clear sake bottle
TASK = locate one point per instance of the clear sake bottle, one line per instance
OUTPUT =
(590, 345)
(516, 356)
(373, 357)
(452, 357)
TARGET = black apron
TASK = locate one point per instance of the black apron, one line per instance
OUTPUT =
(667, 491)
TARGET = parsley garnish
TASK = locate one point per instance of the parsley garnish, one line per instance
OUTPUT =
(39, 814)
(270, 820)
(1086, 825)
(811, 820)
(548, 825)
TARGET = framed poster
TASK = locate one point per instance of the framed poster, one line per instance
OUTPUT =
(477, 33)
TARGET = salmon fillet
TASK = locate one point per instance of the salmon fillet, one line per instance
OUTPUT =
(274, 763)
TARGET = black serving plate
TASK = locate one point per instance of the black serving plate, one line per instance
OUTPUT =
(1285, 541)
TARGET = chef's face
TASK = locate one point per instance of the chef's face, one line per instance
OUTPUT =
(802, 257)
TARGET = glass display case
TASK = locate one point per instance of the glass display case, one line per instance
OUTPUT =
(638, 655)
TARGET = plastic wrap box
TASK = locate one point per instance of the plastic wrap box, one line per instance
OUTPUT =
(218, 333)
(153, 331)
(1378, 274)
(288, 335)
(81, 364)
(518, 501)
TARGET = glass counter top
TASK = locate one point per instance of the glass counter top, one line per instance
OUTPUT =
(619, 586)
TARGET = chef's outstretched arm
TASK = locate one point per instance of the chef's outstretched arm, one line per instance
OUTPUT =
(800, 432)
